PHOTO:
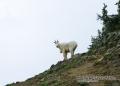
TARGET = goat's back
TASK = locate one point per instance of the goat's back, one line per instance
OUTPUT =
(71, 44)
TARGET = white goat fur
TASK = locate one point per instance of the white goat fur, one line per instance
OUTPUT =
(66, 48)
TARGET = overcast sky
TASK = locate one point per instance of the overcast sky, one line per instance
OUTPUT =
(28, 29)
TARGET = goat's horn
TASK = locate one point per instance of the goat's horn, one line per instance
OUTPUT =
(55, 42)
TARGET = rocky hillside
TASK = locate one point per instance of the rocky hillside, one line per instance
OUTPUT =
(100, 66)
(105, 63)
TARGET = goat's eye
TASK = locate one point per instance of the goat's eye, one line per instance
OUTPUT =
(57, 46)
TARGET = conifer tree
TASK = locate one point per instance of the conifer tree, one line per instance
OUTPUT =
(104, 16)
(118, 10)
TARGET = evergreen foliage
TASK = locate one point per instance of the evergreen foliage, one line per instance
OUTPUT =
(111, 27)
(118, 4)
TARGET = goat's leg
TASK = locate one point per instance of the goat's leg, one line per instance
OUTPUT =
(72, 53)
(65, 55)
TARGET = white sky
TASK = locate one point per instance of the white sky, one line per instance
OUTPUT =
(29, 27)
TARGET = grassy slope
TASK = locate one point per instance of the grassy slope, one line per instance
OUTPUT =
(65, 73)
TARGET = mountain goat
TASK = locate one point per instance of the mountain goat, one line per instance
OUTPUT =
(66, 48)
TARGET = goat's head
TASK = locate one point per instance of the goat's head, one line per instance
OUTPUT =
(57, 43)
